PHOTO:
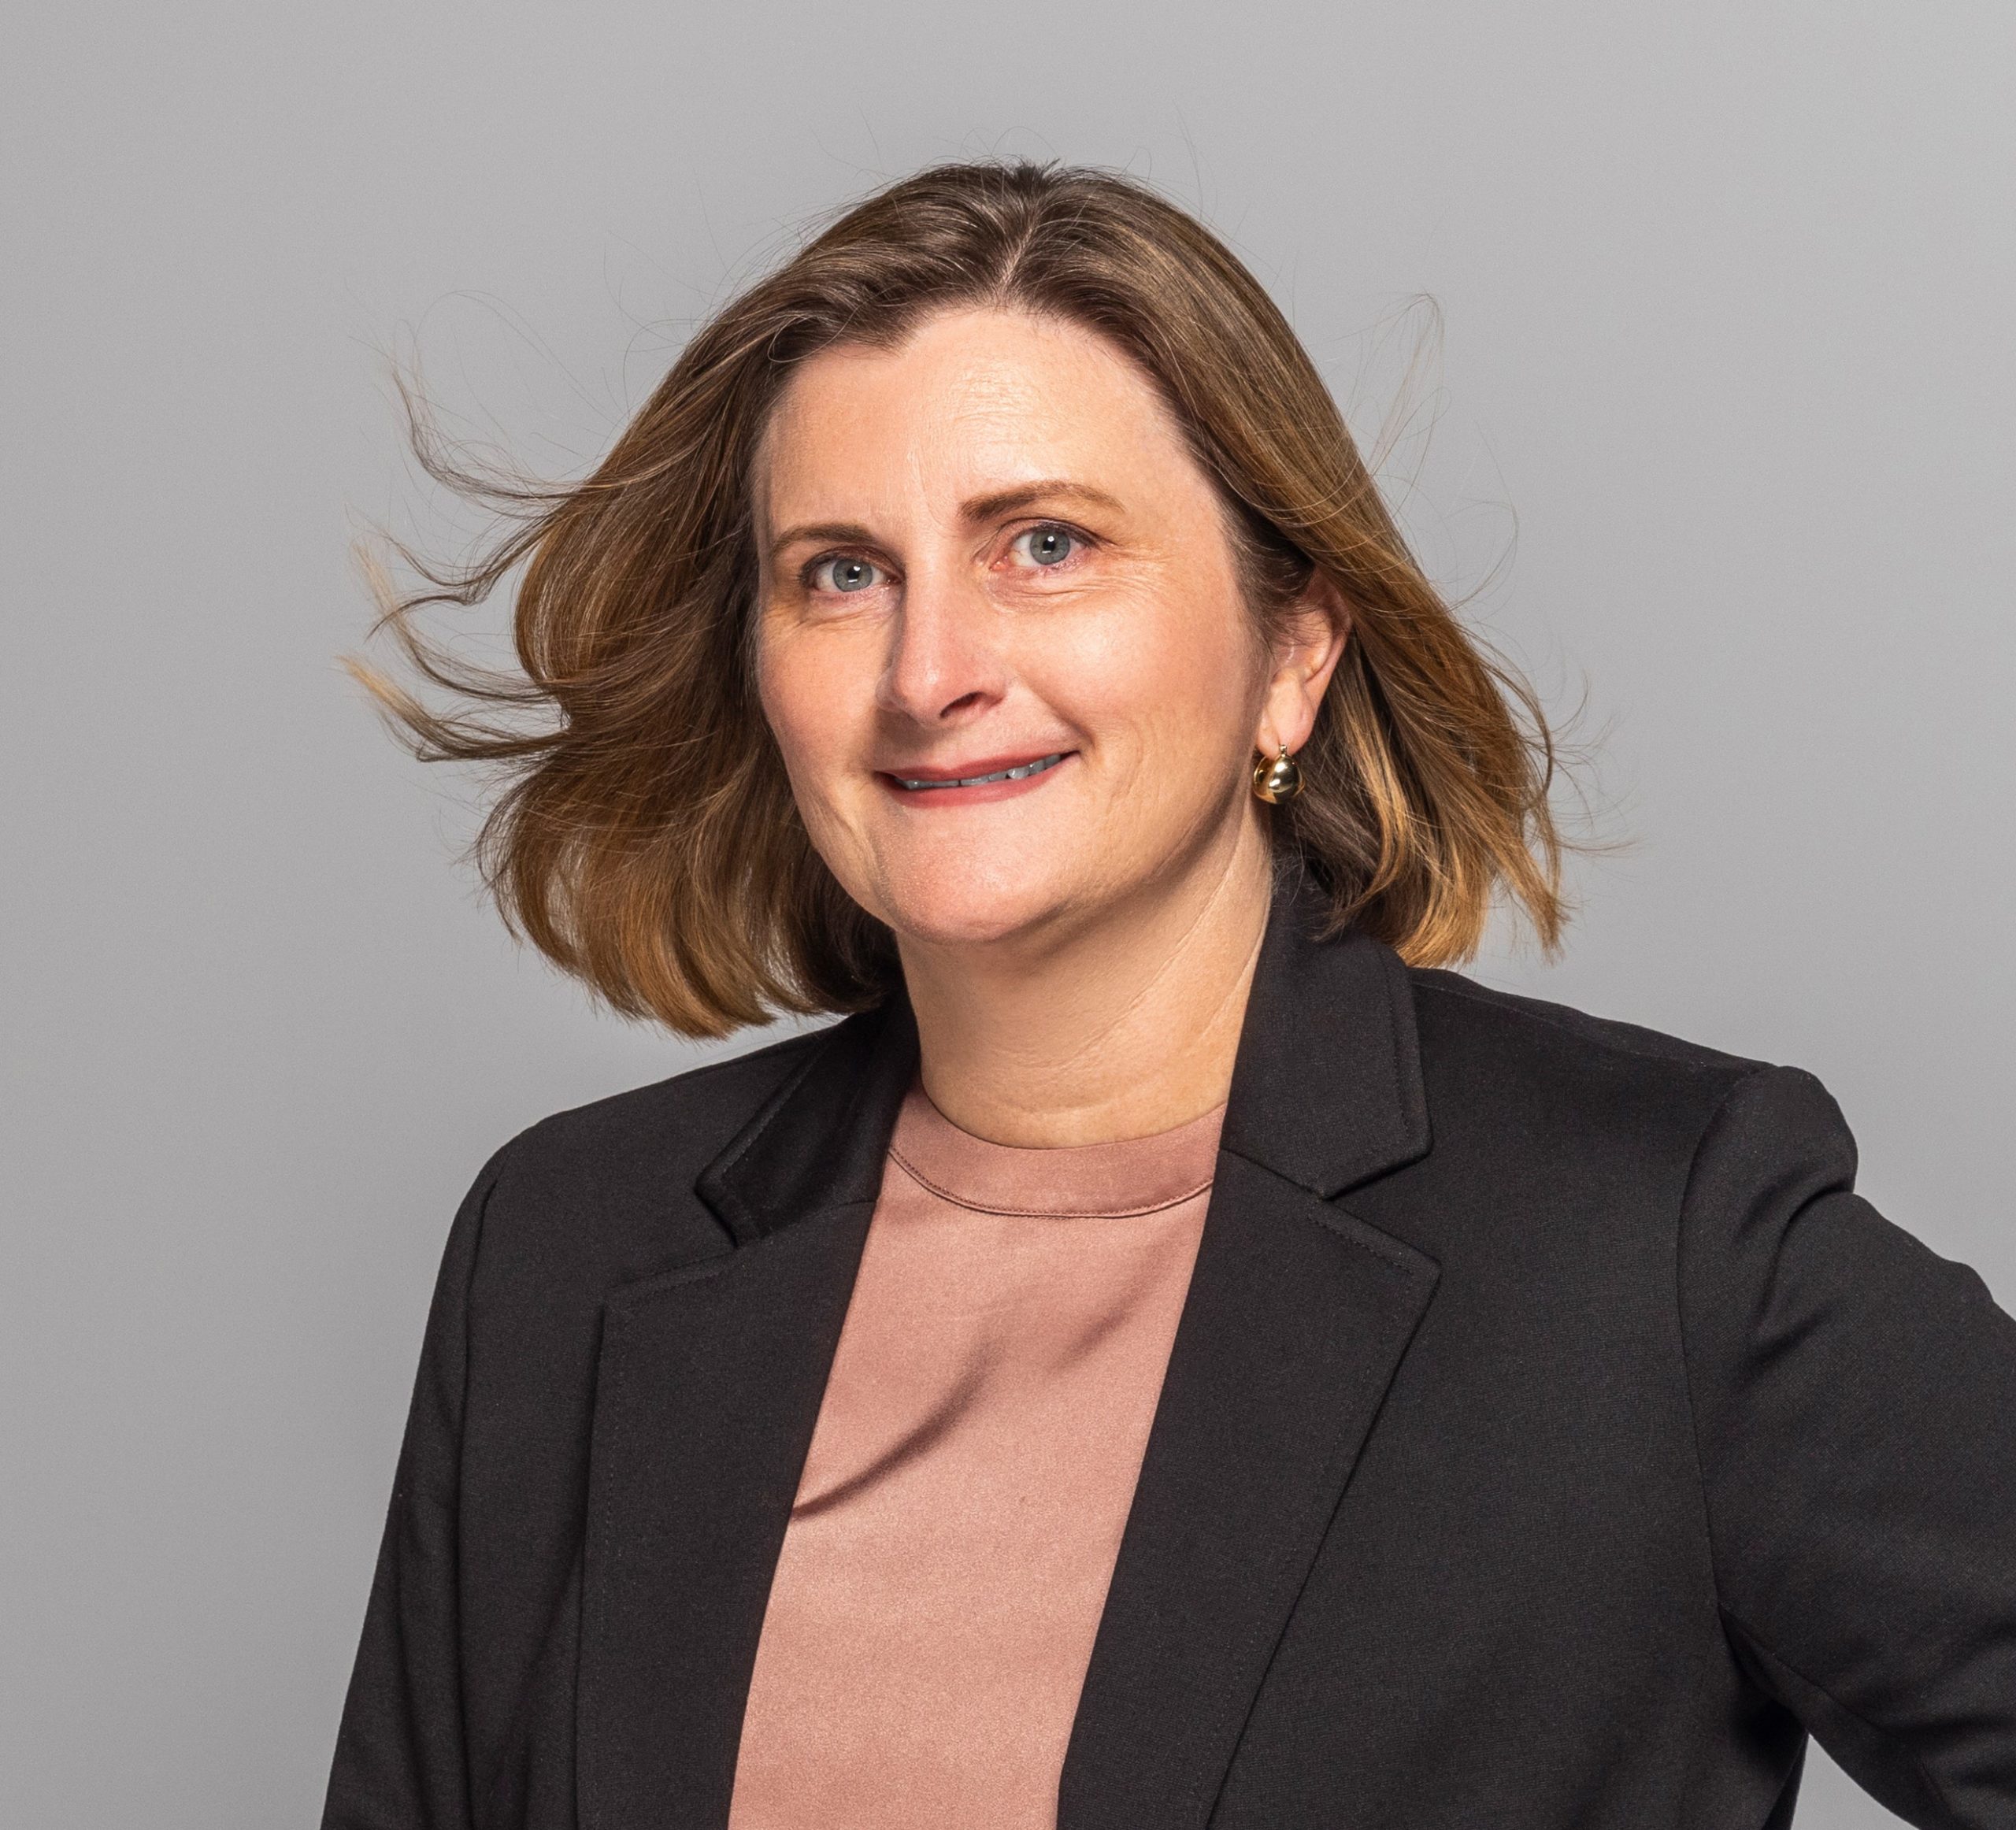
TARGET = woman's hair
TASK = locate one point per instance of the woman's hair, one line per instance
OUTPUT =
(646, 838)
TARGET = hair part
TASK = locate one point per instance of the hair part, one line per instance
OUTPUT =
(645, 837)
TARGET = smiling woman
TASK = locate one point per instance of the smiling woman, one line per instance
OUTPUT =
(1043, 610)
(1100, 372)
(1172, 1354)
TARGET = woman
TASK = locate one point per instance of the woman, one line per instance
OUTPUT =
(1172, 1354)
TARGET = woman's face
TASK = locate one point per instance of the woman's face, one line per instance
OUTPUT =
(987, 553)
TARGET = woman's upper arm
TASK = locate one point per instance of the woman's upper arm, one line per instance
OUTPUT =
(1855, 1405)
(400, 1763)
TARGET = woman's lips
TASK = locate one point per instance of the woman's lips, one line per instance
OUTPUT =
(993, 778)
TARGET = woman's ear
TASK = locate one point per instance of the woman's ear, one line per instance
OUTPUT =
(1306, 654)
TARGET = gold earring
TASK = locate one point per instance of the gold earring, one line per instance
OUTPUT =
(1278, 780)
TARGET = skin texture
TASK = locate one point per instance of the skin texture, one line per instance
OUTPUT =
(1043, 568)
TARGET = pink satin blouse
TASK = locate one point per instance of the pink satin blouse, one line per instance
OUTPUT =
(947, 1558)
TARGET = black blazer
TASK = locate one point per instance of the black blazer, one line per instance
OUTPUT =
(1551, 1438)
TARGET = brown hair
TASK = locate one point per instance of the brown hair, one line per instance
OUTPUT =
(646, 839)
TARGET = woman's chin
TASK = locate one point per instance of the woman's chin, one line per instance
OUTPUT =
(953, 914)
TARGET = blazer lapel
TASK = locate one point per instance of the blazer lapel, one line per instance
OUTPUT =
(709, 1386)
(1297, 1318)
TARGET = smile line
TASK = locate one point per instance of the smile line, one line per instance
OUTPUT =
(1018, 773)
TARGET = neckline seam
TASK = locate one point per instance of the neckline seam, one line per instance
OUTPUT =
(973, 1206)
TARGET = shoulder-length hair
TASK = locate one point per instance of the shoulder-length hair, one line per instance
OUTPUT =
(646, 839)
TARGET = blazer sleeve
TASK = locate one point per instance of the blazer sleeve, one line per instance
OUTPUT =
(400, 1761)
(1855, 1408)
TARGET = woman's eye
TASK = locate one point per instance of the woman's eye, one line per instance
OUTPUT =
(1045, 546)
(845, 575)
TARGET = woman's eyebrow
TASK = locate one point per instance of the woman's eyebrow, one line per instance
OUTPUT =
(848, 533)
(991, 507)
(997, 503)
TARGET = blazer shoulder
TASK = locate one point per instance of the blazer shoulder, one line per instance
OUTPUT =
(1499, 1066)
(1561, 1033)
(609, 1185)
(712, 1100)
(1583, 1129)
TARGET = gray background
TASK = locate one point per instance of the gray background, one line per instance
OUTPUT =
(1726, 293)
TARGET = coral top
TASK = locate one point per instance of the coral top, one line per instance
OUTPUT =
(975, 1453)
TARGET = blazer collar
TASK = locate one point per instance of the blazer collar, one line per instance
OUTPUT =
(821, 1138)
(1326, 1086)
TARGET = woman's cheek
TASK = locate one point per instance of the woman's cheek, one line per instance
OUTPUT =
(801, 716)
(1096, 669)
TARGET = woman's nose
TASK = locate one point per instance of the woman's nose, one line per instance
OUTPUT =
(943, 655)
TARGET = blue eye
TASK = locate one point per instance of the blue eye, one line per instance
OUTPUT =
(845, 575)
(1047, 545)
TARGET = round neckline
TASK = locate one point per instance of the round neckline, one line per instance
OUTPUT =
(1114, 1180)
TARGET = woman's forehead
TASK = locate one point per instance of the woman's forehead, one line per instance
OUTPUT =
(970, 403)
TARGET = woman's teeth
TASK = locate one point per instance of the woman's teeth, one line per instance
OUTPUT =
(1018, 773)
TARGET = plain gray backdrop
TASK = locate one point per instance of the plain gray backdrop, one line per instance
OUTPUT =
(1714, 436)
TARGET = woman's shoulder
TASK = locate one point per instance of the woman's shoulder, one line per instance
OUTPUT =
(698, 1109)
(1544, 1081)
(1460, 1009)
(610, 1185)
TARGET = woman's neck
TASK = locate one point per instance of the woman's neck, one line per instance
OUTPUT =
(1118, 1025)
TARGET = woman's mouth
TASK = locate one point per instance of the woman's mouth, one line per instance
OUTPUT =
(985, 778)
(1015, 772)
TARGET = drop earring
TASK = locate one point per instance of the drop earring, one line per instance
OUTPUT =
(1278, 780)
